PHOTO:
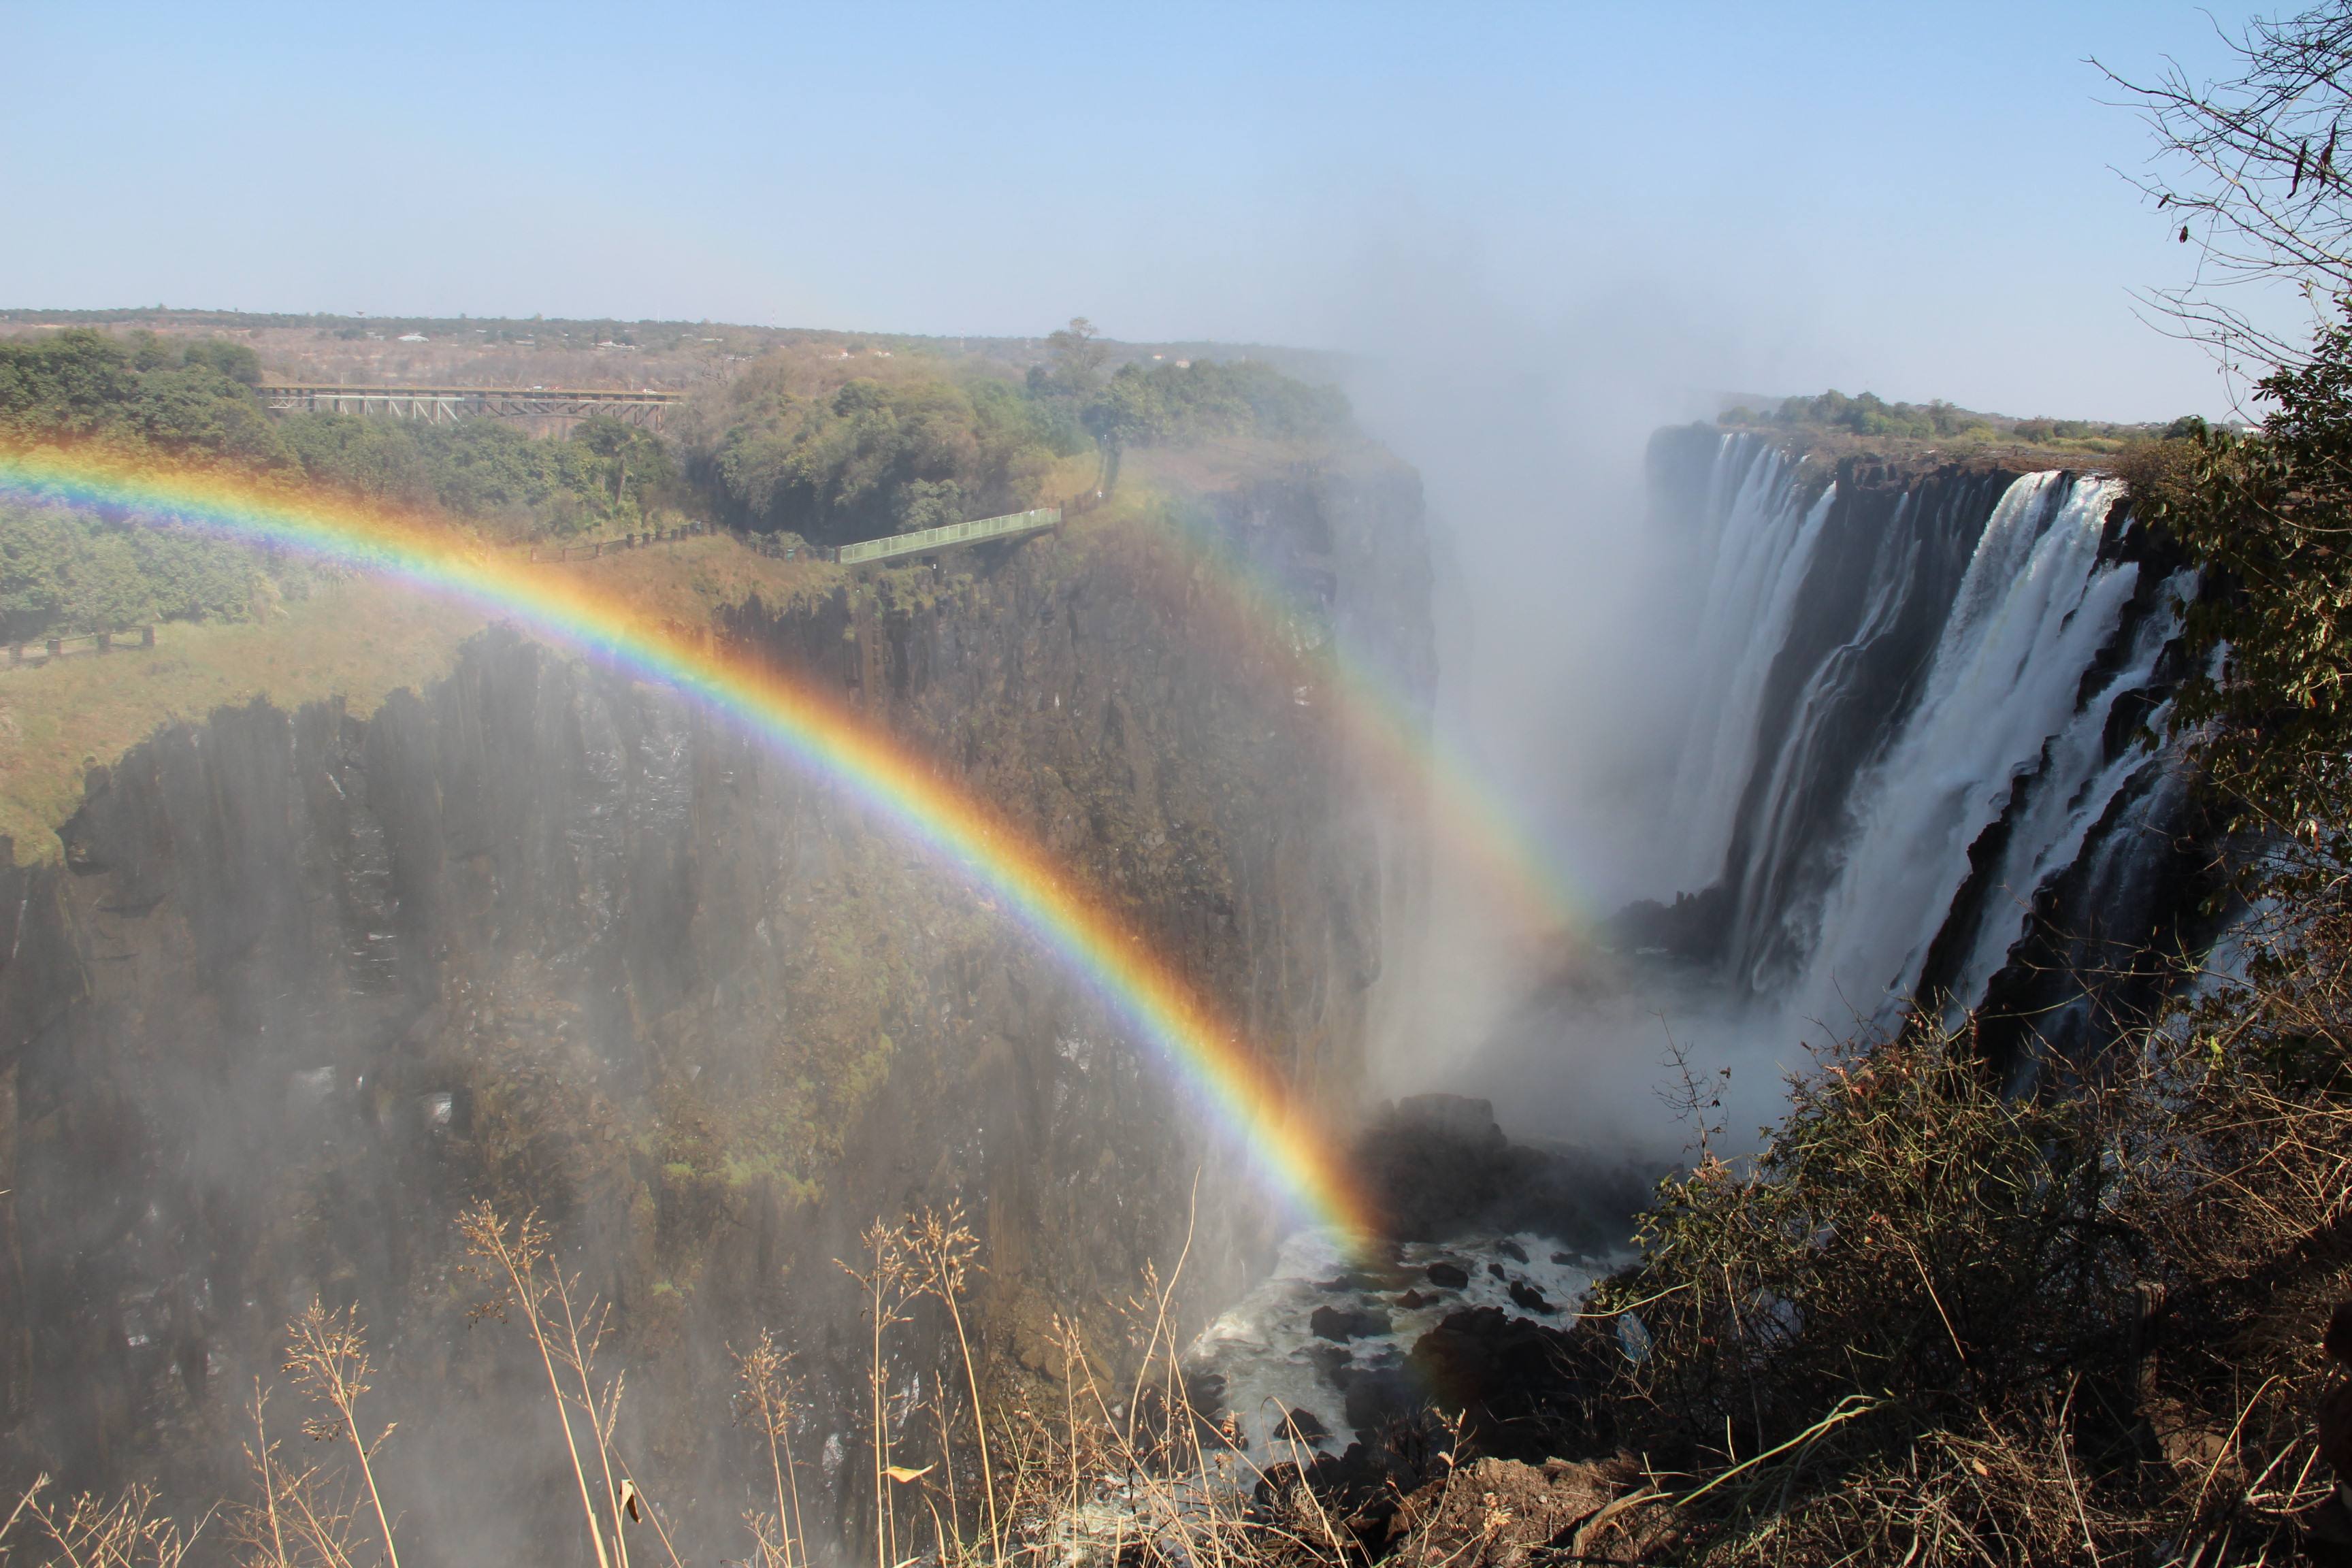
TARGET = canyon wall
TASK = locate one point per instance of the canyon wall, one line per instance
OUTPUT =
(1926, 753)
(306, 985)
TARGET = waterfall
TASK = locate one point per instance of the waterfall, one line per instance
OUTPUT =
(2077, 788)
(1916, 711)
(2036, 608)
(1761, 551)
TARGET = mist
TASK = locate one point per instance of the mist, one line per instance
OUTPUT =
(1568, 609)
(1565, 617)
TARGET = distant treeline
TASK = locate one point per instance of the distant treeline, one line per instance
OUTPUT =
(772, 451)
(192, 402)
(1868, 416)
(878, 457)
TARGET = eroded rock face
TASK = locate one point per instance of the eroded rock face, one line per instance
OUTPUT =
(305, 985)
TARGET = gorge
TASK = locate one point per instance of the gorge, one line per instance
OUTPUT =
(304, 984)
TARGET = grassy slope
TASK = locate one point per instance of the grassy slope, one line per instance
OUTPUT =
(360, 639)
(365, 639)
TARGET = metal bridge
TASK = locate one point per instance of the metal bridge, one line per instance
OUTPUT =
(931, 541)
(447, 404)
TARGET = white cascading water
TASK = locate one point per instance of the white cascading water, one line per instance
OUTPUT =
(2074, 796)
(2033, 613)
(2020, 683)
(1759, 563)
(1770, 915)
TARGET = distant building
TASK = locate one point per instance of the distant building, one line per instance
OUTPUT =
(410, 338)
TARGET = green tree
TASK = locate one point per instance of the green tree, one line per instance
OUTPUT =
(1078, 357)
(873, 459)
(632, 462)
(74, 384)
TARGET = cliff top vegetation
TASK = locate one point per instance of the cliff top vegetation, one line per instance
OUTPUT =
(806, 443)
(607, 352)
(1833, 425)
(831, 451)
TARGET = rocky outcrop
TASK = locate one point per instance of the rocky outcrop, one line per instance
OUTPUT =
(1438, 1166)
(305, 983)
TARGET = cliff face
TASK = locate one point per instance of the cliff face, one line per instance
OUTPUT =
(305, 985)
(1919, 764)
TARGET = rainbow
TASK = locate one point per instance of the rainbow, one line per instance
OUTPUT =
(1292, 1154)
(1387, 731)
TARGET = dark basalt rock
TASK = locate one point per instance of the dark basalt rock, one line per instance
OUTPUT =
(1375, 1395)
(1301, 1427)
(1512, 1250)
(1343, 1323)
(1518, 1387)
(1449, 1275)
(1528, 1297)
(1695, 929)
(1439, 1166)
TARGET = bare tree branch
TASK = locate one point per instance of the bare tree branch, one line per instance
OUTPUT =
(2256, 170)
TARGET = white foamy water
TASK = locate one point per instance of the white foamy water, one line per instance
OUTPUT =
(2002, 701)
(1273, 1362)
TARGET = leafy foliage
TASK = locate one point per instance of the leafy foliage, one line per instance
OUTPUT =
(64, 572)
(874, 457)
(1868, 416)
(1909, 1234)
(1171, 405)
(2268, 518)
(82, 384)
(605, 473)
(193, 403)
(1939, 1324)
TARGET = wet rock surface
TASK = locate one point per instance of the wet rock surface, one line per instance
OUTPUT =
(1438, 1165)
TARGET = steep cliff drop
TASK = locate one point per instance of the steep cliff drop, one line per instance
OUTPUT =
(303, 986)
(1924, 757)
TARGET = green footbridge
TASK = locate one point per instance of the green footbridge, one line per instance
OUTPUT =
(931, 541)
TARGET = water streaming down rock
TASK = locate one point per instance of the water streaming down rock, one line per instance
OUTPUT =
(1921, 703)
(1750, 596)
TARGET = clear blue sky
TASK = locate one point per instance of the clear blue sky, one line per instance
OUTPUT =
(1912, 198)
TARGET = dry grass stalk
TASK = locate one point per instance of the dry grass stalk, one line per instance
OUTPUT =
(303, 1519)
(765, 1397)
(890, 1281)
(130, 1532)
(567, 1330)
(327, 1356)
(944, 1248)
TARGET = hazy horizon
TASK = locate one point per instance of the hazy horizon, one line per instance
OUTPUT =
(1924, 204)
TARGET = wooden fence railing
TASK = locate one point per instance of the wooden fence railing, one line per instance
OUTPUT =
(50, 649)
(597, 549)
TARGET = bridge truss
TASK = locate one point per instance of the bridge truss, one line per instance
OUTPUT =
(447, 404)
